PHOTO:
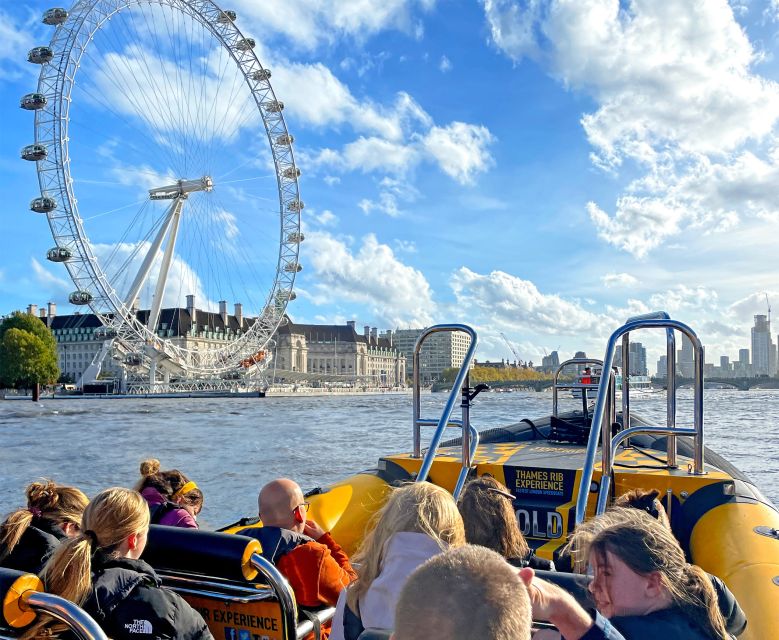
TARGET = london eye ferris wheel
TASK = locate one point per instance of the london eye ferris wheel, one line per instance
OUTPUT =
(153, 122)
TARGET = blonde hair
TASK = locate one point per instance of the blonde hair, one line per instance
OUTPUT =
(110, 518)
(168, 483)
(646, 546)
(489, 518)
(45, 499)
(418, 507)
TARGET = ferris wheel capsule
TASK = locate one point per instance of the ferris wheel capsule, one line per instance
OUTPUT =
(245, 44)
(59, 254)
(80, 297)
(44, 204)
(296, 205)
(33, 101)
(293, 267)
(296, 237)
(291, 173)
(34, 152)
(226, 16)
(274, 106)
(285, 139)
(261, 75)
(40, 55)
(55, 16)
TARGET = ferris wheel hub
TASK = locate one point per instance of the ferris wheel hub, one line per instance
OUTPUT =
(182, 188)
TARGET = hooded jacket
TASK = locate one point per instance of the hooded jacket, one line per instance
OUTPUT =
(128, 602)
(34, 547)
(172, 514)
(405, 551)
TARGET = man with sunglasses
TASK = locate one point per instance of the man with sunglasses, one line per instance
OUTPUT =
(317, 568)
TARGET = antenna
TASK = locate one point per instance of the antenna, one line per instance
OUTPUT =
(768, 304)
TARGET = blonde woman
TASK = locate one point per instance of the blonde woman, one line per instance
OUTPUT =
(488, 515)
(419, 521)
(29, 536)
(100, 570)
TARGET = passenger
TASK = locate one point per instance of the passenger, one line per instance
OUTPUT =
(648, 501)
(315, 565)
(465, 593)
(643, 584)
(174, 500)
(100, 570)
(490, 521)
(29, 536)
(418, 521)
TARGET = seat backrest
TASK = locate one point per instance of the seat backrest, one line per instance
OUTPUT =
(375, 634)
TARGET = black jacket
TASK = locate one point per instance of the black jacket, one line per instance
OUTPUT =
(128, 602)
(668, 624)
(34, 548)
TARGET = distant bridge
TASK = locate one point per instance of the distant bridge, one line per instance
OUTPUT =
(737, 383)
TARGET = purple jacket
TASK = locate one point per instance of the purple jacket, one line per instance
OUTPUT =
(178, 517)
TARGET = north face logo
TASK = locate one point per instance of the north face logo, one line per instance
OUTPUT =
(139, 626)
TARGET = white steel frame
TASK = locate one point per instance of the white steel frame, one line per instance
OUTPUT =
(56, 82)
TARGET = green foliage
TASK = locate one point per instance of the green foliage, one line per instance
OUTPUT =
(494, 374)
(28, 352)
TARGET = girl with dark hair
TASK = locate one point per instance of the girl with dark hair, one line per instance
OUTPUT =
(174, 500)
(29, 536)
(643, 583)
(490, 521)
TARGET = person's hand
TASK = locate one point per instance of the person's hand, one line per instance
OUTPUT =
(551, 603)
(313, 530)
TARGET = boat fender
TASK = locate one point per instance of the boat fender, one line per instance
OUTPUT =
(275, 541)
(13, 585)
(220, 555)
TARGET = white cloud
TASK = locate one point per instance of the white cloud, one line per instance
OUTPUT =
(460, 149)
(331, 181)
(676, 98)
(445, 64)
(512, 302)
(47, 279)
(619, 280)
(15, 40)
(370, 274)
(308, 24)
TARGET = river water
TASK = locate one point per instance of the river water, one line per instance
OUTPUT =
(232, 446)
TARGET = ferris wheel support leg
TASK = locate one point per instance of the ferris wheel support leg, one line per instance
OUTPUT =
(167, 258)
(152, 374)
(143, 272)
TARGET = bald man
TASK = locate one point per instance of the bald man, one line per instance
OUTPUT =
(315, 565)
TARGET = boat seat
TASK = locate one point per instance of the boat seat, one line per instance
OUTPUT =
(239, 593)
(23, 598)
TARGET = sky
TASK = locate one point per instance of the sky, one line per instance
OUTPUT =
(536, 169)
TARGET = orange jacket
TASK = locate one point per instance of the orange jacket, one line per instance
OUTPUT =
(317, 571)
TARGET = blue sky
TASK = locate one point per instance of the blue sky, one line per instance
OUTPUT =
(542, 169)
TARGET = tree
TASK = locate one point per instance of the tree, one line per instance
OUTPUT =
(28, 353)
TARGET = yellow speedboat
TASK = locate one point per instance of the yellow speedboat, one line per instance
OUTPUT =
(562, 469)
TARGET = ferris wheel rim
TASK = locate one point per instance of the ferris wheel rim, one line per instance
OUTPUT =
(52, 127)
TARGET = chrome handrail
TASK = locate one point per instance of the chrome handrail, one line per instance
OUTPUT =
(461, 382)
(284, 593)
(77, 620)
(659, 320)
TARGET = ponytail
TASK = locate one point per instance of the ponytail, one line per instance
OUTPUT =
(68, 573)
(698, 598)
(47, 500)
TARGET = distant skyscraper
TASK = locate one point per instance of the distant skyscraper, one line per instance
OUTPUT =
(743, 356)
(685, 358)
(551, 362)
(763, 356)
(637, 359)
(662, 367)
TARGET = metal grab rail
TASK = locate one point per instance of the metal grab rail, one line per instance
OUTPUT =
(658, 320)
(461, 382)
(77, 620)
